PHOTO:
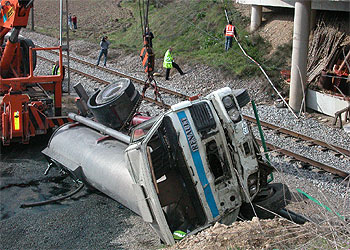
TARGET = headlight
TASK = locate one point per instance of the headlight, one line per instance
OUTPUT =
(253, 183)
(235, 115)
(252, 189)
(228, 102)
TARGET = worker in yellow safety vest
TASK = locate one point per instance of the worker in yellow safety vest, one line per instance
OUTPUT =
(169, 63)
(56, 69)
(229, 32)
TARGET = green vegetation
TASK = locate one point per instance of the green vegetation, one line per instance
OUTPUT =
(195, 30)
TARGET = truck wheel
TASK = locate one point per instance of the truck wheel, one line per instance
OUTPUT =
(112, 106)
(25, 44)
(242, 97)
(115, 90)
(273, 198)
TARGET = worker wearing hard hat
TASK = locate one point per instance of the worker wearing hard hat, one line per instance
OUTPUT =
(169, 63)
(229, 32)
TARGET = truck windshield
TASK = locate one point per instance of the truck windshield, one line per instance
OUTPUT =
(140, 131)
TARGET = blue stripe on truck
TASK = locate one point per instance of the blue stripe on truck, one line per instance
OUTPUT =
(192, 143)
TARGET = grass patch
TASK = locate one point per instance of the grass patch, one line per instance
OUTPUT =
(195, 30)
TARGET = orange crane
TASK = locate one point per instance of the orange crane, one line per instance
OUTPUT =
(26, 105)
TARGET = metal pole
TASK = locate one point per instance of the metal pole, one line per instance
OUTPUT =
(262, 137)
(65, 46)
(68, 58)
(102, 128)
(61, 21)
(33, 17)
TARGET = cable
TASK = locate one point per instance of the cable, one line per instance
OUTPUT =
(40, 203)
(263, 71)
(141, 16)
(205, 33)
(250, 59)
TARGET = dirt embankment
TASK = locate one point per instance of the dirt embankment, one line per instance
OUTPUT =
(255, 234)
(276, 26)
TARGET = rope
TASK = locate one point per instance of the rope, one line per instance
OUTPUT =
(267, 77)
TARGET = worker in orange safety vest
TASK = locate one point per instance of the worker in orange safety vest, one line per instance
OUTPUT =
(229, 32)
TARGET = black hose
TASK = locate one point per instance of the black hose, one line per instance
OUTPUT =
(40, 203)
(290, 215)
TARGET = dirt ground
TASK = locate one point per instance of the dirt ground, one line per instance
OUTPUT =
(96, 17)
(276, 26)
(255, 234)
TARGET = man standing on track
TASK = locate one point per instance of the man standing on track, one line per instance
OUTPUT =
(169, 63)
(104, 50)
(229, 32)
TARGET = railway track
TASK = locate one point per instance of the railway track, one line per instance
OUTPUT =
(119, 74)
(304, 138)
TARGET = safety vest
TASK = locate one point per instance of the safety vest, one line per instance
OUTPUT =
(55, 69)
(168, 60)
(229, 30)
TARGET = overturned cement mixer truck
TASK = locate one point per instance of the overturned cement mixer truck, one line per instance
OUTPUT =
(182, 171)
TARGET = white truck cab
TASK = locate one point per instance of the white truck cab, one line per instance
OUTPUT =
(194, 165)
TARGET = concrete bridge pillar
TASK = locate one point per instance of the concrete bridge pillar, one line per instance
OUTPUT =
(302, 12)
(256, 17)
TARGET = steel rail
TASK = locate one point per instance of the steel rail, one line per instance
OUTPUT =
(300, 136)
(113, 72)
(251, 119)
(312, 162)
(99, 80)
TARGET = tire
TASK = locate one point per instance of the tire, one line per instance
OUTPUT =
(115, 90)
(242, 97)
(25, 44)
(112, 106)
(274, 198)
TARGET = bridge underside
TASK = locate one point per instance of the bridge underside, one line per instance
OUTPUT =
(333, 5)
(304, 16)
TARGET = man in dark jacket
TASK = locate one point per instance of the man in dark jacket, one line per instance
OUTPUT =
(104, 50)
(149, 36)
